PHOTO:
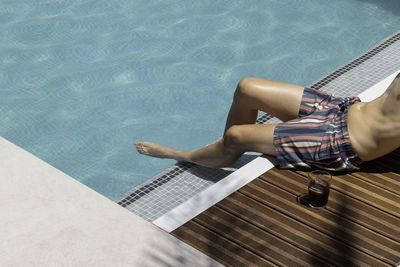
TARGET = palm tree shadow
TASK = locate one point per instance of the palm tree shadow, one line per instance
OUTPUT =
(342, 233)
(216, 174)
(343, 230)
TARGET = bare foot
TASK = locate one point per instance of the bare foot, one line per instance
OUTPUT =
(158, 151)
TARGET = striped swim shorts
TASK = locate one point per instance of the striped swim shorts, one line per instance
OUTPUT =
(319, 136)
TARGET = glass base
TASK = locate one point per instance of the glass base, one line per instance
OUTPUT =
(306, 200)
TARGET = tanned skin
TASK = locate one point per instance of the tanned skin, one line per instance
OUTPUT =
(374, 127)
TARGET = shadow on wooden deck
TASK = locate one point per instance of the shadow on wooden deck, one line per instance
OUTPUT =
(261, 224)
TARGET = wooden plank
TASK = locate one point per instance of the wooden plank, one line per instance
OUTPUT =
(254, 239)
(375, 173)
(364, 191)
(368, 193)
(325, 221)
(339, 203)
(294, 232)
(217, 247)
(389, 181)
(262, 224)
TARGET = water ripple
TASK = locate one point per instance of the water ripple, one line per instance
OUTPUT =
(79, 80)
(213, 54)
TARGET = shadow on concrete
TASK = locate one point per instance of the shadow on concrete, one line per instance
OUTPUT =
(177, 255)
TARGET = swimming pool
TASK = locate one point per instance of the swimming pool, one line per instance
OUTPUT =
(82, 80)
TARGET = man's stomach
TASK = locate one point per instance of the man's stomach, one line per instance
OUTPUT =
(370, 136)
(360, 133)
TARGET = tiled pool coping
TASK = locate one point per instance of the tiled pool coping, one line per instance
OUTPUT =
(182, 181)
(227, 186)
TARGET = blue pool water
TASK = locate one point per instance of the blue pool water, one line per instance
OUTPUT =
(81, 80)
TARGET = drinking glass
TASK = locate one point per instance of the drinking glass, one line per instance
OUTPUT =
(318, 190)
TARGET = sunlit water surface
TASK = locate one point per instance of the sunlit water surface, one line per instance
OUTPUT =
(80, 81)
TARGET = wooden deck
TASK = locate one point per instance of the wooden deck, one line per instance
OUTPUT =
(262, 225)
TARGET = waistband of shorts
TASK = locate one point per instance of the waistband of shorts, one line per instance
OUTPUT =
(350, 152)
(347, 146)
(350, 100)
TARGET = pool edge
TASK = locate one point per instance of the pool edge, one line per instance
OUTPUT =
(51, 219)
(327, 83)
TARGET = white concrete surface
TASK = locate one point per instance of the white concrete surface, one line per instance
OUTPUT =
(50, 219)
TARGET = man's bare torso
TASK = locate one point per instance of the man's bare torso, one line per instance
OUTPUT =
(374, 127)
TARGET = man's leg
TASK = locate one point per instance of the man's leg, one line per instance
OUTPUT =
(252, 94)
(279, 99)
(224, 152)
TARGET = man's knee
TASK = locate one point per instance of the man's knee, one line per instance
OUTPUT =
(244, 88)
(233, 137)
(247, 88)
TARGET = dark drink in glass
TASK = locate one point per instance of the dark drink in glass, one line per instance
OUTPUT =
(318, 190)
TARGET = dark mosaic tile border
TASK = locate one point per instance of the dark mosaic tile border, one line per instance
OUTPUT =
(176, 170)
(180, 168)
(342, 70)
(354, 63)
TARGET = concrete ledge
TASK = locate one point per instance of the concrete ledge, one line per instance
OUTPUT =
(50, 219)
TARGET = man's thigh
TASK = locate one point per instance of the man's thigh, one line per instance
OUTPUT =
(279, 99)
(255, 138)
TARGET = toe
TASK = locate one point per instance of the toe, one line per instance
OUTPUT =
(139, 147)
